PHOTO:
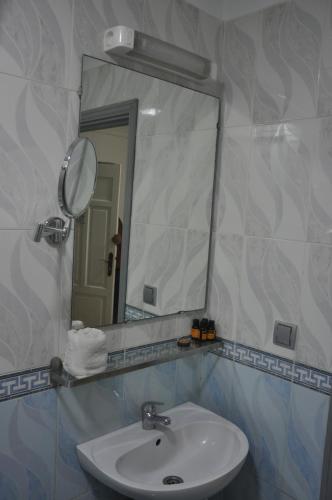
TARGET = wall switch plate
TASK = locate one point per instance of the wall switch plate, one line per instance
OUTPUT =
(284, 334)
(150, 295)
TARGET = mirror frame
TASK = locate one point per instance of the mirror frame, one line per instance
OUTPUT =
(212, 88)
(62, 180)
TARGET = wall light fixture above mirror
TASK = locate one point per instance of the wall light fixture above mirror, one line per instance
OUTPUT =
(130, 43)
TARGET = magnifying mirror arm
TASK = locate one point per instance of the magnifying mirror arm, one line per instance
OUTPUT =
(55, 230)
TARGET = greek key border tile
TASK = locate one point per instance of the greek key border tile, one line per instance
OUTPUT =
(313, 378)
(298, 373)
(27, 382)
(22, 383)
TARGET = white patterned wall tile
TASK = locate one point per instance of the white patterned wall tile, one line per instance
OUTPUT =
(238, 69)
(184, 322)
(171, 120)
(232, 180)
(174, 21)
(91, 19)
(270, 291)
(320, 210)
(144, 175)
(287, 62)
(165, 256)
(210, 34)
(325, 92)
(33, 121)
(150, 108)
(36, 39)
(149, 331)
(206, 112)
(314, 343)
(65, 290)
(200, 169)
(279, 176)
(108, 84)
(157, 165)
(195, 270)
(224, 282)
(176, 108)
(181, 191)
(29, 301)
(326, 56)
(74, 103)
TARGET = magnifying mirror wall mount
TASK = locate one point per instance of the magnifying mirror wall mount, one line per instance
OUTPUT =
(76, 186)
(55, 231)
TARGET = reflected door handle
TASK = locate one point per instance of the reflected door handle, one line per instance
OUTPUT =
(109, 263)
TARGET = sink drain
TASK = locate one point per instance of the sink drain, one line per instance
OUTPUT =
(172, 480)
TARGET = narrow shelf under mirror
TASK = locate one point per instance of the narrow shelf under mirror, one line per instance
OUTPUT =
(132, 359)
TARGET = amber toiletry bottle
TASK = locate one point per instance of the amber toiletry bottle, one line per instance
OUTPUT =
(204, 329)
(195, 331)
(211, 334)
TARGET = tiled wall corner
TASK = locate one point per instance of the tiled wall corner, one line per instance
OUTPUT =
(273, 185)
(285, 425)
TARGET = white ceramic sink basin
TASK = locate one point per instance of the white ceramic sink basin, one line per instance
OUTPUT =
(204, 450)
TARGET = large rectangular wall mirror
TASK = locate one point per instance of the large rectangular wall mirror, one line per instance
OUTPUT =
(141, 248)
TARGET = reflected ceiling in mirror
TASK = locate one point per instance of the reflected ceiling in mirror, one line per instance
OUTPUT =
(141, 249)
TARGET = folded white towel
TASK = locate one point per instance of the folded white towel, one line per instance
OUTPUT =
(86, 352)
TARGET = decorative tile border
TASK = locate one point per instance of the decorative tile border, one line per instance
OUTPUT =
(298, 373)
(27, 382)
(22, 383)
(313, 378)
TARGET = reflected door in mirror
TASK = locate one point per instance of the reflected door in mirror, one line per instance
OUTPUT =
(95, 251)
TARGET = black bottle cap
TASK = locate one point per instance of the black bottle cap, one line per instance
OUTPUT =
(195, 323)
(212, 325)
(204, 323)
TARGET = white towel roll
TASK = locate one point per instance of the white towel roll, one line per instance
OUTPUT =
(86, 352)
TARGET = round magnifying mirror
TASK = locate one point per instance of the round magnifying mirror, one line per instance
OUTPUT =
(77, 178)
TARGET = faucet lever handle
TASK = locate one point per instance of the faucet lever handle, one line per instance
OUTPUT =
(150, 406)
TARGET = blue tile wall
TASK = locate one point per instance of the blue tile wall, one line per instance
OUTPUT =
(285, 424)
(84, 413)
(108, 405)
(305, 442)
(39, 432)
(28, 446)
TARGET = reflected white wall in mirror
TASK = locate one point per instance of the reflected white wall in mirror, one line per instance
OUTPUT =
(162, 242)
(80, 177)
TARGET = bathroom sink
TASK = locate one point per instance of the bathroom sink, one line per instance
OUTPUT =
(192, 459)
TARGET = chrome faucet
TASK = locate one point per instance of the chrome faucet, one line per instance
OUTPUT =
(150, 417)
